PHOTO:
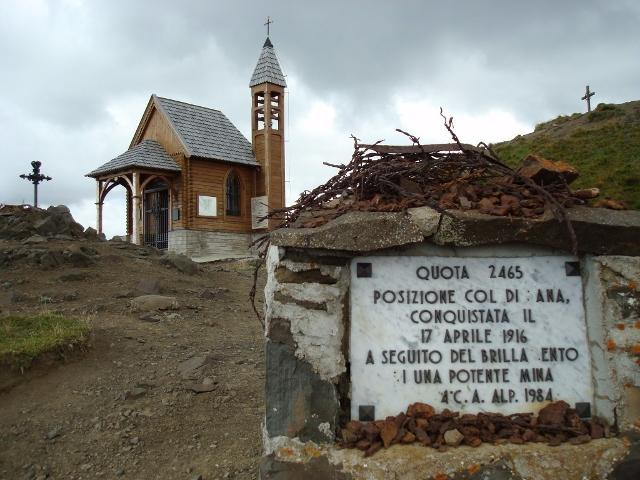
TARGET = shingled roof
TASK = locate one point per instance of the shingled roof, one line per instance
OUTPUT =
(267, 69)
(147, 154)
(206, 133)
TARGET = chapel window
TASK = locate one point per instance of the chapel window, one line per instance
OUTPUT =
(233, 195)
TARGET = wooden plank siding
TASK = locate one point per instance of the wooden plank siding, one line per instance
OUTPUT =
(207, 177)
(276, 171)
(159, 129)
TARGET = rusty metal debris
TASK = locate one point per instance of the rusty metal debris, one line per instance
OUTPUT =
(556, 423)
(445, 176)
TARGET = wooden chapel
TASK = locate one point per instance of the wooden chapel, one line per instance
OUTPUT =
(195, 185)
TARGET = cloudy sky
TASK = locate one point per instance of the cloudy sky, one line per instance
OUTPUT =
(77, 74)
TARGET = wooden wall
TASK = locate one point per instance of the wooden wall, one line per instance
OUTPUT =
(158, 129)
(209, 178)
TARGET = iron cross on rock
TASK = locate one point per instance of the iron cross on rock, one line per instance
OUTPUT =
(587, 97)
(35, 177)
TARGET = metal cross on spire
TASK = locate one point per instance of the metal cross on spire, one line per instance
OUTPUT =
(35, 177)
(587, 97)
(267, 24)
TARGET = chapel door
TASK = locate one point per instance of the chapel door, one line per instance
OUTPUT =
(156, 217)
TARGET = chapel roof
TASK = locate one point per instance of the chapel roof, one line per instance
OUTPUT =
(206, 133)
(267, 69)
(146, 154)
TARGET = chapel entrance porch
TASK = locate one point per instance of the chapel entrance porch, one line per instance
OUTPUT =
(150, 197)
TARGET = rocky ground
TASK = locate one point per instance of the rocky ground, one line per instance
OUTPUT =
(172, 394)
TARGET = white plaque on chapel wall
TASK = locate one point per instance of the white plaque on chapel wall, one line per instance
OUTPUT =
(469, 334)
(207, 206)
(259, 210)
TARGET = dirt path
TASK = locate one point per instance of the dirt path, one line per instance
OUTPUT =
(126, 408)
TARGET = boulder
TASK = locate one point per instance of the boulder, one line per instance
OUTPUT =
(148, 303)
(180, 262)
(34, 239)
(150, 286)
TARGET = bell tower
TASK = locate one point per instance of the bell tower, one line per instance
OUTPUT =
(267, 127)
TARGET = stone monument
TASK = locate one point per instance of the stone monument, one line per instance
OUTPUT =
(374, 312)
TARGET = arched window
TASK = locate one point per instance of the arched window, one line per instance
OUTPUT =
(233, 195)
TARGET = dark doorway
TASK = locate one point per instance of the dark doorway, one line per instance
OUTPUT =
(156, 215)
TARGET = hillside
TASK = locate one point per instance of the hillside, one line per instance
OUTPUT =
(604, 145)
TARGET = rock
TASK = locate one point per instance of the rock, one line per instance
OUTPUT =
(553, 414)
(91, 232)
(148, 303)
(466, 228)
(150, 317)
(180, 262)
(78, 259)
(51, 259)
(420, 410)
(118, 472)
(54, 433)
(202, 388)
(64, 237)
(59, 209)
(545, 172)
(172, 317)
(353, 232)
(135, 392)
(150, 286)
(211, 293)
(34, 239)
(134, 440)
(188, 367)
(453, 437)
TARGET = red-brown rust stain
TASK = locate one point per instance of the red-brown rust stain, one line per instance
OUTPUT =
(632, 285)
(286, 452)
(441, 476)
(312, 451)
(611, 345)
(620, 326)
(637, 325)
(635, 349)
(473, 468)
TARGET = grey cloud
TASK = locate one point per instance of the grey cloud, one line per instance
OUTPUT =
(62, 69)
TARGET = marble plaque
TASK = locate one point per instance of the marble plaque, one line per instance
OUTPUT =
(469, 334)
(207, 206)
(259, 210)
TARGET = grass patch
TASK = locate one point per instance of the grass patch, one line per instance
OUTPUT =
(23, 338)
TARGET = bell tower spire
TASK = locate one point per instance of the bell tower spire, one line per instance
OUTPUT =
(267, 126)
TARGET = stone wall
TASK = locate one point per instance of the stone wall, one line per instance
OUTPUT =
(307, 344)
(199, 243)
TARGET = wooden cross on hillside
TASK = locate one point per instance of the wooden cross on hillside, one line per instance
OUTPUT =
(587, 97)
(267, 24)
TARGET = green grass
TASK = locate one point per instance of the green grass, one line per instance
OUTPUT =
(25, 337)
(603, 145)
